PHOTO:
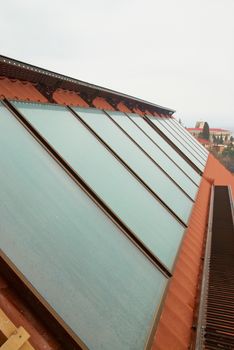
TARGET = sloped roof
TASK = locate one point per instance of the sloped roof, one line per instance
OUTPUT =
(211, 129)
(204, 141)
(135, 136)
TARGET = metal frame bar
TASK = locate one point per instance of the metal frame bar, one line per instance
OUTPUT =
(179, 167)
(185, 138)
(178, 138)
(76, 114)
(40, 301)
(42, 309)
(176, 148)
(147, 154)
(189, 137)
(86, 188)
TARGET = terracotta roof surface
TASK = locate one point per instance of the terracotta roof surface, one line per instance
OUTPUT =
(211, 129)
(66, 97)
(20, 90)
(174, 330)
(203, 141)
(175, 327)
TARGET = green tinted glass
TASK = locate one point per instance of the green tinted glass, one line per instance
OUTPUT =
(101, 285)
(166, 148)
(138, 161)
(155, 153)
(189, 137)
(190, 145)
(177, 143)
(112, 182)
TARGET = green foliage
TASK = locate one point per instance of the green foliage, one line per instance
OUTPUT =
(206, 132)
(214, 139)
(226, 157)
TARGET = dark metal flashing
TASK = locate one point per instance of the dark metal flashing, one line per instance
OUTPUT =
(16, 69)
(215, 327)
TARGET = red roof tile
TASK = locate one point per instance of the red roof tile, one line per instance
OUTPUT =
(203, 141)
(69, 98)
(174, 329)
(123, 108)
(101, 103)
(138, 111)
(211, 129)
(20, 90)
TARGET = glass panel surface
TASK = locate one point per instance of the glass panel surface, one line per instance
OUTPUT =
(167, 149)
(177, 132)
(176, 142)
(155, 153)
(189, 136)
(102, 286)
(112, 182)
(154, 177)
(185, 143)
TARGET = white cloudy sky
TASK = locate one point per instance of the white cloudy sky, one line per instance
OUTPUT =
(176, 53)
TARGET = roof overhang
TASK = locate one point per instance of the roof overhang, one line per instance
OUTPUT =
(15, 69)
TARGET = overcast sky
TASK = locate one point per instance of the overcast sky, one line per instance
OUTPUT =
(176, 53)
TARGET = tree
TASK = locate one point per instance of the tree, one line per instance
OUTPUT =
(206, 132)
(214, 139)
(221, 139)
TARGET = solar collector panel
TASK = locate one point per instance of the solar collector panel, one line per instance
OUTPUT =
(141, 212)
(76, 258)
(166, 148)
(189, 143)
(162, 127)
(155, 153)
(137, 160)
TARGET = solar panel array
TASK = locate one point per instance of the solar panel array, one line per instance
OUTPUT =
(96, 235)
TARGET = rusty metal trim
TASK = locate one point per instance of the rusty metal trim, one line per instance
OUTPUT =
(39, 305)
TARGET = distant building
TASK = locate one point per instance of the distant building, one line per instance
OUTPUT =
(217, 132)
(199, 124)
(205, 143)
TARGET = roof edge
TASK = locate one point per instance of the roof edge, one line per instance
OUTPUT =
(19, 69)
